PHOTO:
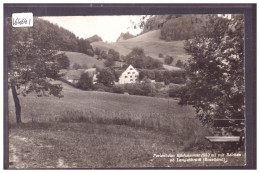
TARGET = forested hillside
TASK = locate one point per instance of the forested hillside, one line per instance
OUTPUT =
(176, 27)
(63, 39)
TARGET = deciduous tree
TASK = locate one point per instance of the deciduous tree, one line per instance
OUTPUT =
(31, 65)
(216, 86)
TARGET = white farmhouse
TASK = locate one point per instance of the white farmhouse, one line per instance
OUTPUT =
(130, 75)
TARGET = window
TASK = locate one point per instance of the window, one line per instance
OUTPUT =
(128, 73)
(136, 76)
(131, 79)
(131, 69)
(130, 76)
(125, 76)
(133, 72)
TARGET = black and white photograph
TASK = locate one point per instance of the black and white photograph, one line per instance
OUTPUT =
(126, 91)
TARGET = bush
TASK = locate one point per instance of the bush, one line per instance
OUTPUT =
(168, 59)
(160, 55)
(109, 61)
(106, 77)
(76, 66)
(115, 55)
(101, 87)
(97, 51)
(143, 89)
(90, 52)
(179, 64)
(85, 82)
(118, 89)
(63, 61)
(176, 91)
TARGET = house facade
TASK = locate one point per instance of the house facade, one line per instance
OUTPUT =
(130, 75)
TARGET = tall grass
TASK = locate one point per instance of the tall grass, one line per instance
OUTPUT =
(153, 114)
(180, 128)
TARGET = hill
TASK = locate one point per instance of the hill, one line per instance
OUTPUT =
(81, 59)
(125, 130)
(94, 38)
(151, 43)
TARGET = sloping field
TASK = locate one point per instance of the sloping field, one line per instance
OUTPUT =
(88, 129)
(81, 59)
(102, 104)
(151, 43)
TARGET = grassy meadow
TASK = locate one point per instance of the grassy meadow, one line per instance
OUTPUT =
(81, 58)
(152, 45)
(89, 129)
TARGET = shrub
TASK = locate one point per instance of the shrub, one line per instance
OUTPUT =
(109, 61)
(90, 52)
(101, 87)
(63, 61)
(106, 77)
(76, 66)
(180, 64)
(176, 91)
(168, 59)
(85, 82)
(115, 54)
(160, 55)
(118, 89)
(97, 51)
(143, 89)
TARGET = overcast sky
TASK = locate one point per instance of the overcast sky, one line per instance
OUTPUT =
(107, 27)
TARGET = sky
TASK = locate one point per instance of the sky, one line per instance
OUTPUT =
(108, 28)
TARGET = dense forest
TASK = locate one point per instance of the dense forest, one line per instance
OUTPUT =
(63, 39)
(176, 27)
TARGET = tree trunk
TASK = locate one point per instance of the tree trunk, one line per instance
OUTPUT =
(17, 104)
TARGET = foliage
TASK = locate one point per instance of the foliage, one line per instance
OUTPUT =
(31, 63)
(76, 66)
(177, 77)
(97, 51)
(138, 59)
(90, 52)
(106, 77)
(143, 88)
(216, 86)
(183, 27)
(179, 63)
(115, 54)
(160, 55)
(85, 82)
(118, 89)
(168, 59)
(63, 61)
(101, 87)
(62, 39)
(176, 91)
(85, 47)
(103, 55)
(109, 62)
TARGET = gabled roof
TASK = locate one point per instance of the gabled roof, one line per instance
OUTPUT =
(119, 72)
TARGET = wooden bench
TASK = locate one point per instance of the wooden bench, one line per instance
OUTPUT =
(231, 140)
(223, 138)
